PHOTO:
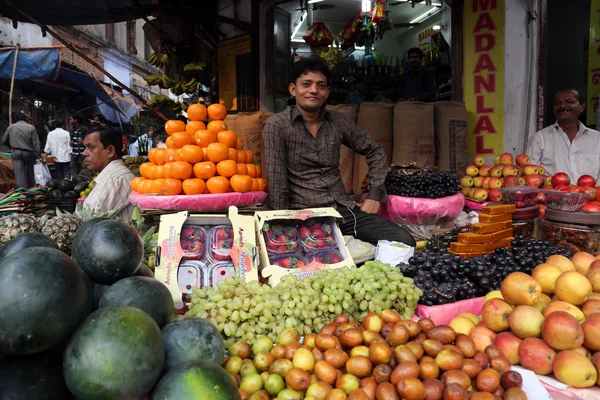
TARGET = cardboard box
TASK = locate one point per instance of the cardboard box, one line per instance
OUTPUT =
(169, 258)
(414, 139)
(451, 146)
(274, 273)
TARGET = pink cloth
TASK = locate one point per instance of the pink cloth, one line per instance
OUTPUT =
(417, 211)
(199, 202)
(442, 315)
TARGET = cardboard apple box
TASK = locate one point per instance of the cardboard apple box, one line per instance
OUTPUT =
(244, 254)
(274, 273)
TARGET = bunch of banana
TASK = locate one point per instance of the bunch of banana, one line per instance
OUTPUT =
(160, 102)
(158, 60)
(177, 89)
(152, 79)
(191, 86)
(176, 107)
(184, 106)
(166, 82)
(193, 68)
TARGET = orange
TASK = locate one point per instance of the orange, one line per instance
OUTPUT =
(171, 187)
(193, 186)
(251, 170)
(181, 170)
(205, 170)
(232, 154)
(152, 154)
(169, 142)
(227, 168)
(240, 144)
(157, 185)
(203, 137)
(141, 187)
(192, 154)
(258, 171)
(180, 139)
(150, 173)
(241, 169)
(216, 126)
(174, 125)
(249, 157)
(262, 186)
(135, 182)
(178, 155)
(217, 152)
(217, 184)
(166, 170)
(204, 154)
(227, 137)
(159, 156)
(158, 172)
(144, 168)
(241, 156)
(170, 155)
(240, 183)
(215, 111)
(255, 187)
(196, 112)
(194, 126)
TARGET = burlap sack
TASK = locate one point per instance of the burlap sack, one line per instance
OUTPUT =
(376, 119)
(414, 133)
(231, 121)
(248, 126)
(346, 155)
(451, 146)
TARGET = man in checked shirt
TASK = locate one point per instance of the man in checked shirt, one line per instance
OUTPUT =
(302, 159)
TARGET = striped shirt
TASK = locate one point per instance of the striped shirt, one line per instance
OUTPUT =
(304, 171)
(111, 190)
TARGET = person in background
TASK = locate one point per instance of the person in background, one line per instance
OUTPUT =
(77, 147)
(23, 139)
(98, 120)
(59, 146)
(111, 188)
(567, 145)
(42, 129)
(302, 159)
(143, 143)
(417, 84)
(444, 76)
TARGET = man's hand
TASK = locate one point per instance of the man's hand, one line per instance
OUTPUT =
(369, 206)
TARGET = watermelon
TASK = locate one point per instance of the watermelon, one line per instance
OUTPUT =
(37, 376)
(24, 241)
(43, 296)
(200, 380)
(98, 293)
(192, 339)
(116, 353)
(108, 251)
(144, 270)
(147, 294)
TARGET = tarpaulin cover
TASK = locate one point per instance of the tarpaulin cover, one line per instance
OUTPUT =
(409, 210)
(128, 106)
(199, 202)
(90, 85)
(39, 63)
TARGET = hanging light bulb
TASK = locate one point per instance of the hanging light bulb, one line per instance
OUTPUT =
(366, 6)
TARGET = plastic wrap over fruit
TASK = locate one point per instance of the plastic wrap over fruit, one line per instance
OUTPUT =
(199, 202)
(409, 210)
(318, 35)
(193, 242)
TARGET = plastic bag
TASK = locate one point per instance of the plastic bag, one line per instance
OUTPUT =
(42, 173)
(318, 35)
(378, 13)
(416, 211)
(393, 253)
(360, 251)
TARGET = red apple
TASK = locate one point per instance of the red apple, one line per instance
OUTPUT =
(479, 161)
(495, 183)
(542, 170)
(484, 171)
(495, 195)
(480, 194)
(586, 180)
(511, 181)
(496, 171)
(485, 183)
(531, 170)
(506, 159)
(562, 331)
(534, 181)
(497, 160)
(576, 189)
(561, 188)
(560, 178)
(472, 170)
(590, 191)
(509, 170)
(522, 160)
(548, 187)
(509, 344)
(536, 356)
(597, 193)
(478, 181)
(592, 207)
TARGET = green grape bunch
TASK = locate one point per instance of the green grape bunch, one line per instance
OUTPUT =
(242, 311)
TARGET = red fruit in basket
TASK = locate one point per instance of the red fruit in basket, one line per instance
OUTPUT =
(223, 233)
(562, 188)
(335, 259)
(272, 245)
(281, 240)
(285, 262)
(310, 243)
(592, 207)
(586, 180)
(560, 178)
(314, 227)
(224, 244)
(322, 243)
(197, 247)
(187, 233)
(591, 192)
(292, 246)
(186, 244)
(304, 232)
(575, 189)
(319, 234)
(330, 240)
(299, 264)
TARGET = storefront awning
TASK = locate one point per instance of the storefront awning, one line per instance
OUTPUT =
(77, 12)
(32, 63)
(91, 85)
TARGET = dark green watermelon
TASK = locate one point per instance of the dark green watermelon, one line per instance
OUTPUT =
(80, 187)
(116, 353)
(71, 195)
(24, 241)
(37, 376)
(108, 251)
(65, 185)
(147, 294)
(43, 297)
(144, 270)
(99, 290)
(56, 194)
(52, 184)
(192, 339)
(202, 380)
(76, 179)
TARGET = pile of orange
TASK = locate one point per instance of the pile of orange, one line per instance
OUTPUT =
(200, 159)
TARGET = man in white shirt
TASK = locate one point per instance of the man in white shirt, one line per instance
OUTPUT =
(143, 143)
(112, 186)
(58, 144)
(568, 145)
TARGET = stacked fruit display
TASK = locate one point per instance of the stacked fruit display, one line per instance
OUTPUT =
(483, 182)
(445, 278)
(74, 188)
(401, 181)
(200, 159)
(384, 357)
(559, 335)
(244, 310)
(560, 194)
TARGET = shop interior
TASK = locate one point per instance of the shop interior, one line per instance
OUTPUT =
(369, 66)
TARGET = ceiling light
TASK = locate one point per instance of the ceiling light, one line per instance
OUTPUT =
(366, 5)
(423, 17)
(436, 27)
(314, 1)
(297, 28)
